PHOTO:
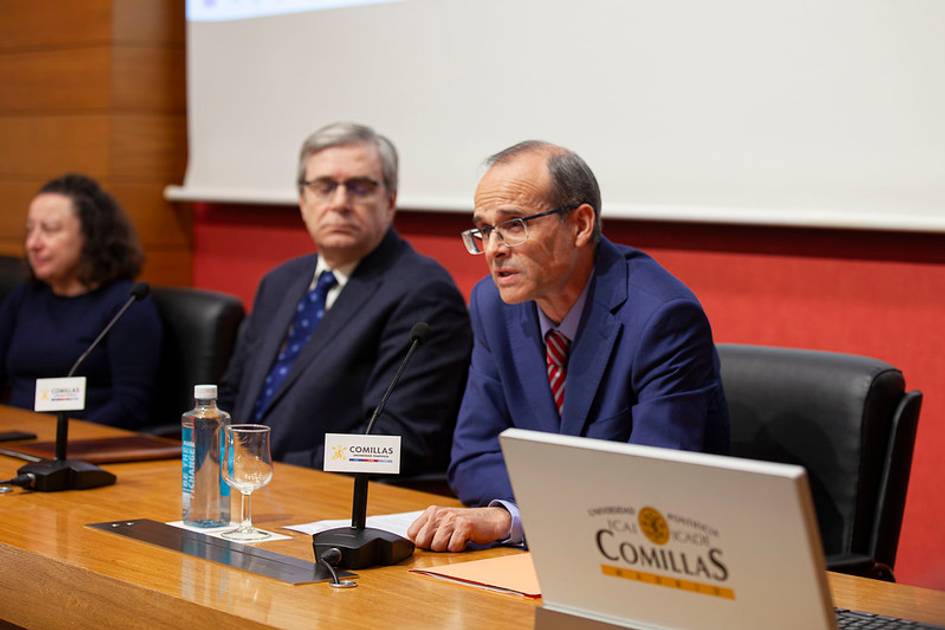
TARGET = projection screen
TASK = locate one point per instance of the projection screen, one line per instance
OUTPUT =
(809, 112)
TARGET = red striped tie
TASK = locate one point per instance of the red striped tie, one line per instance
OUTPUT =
(557, 346)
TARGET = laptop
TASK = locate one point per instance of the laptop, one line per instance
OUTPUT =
(654, 538)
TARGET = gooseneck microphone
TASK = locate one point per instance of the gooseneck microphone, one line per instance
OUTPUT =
(62, 474)
(138, 292)
(418, 334)
(361, 547)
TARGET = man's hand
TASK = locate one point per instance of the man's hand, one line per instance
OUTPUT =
(449, 529)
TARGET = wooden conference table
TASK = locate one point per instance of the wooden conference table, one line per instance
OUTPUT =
(55, 572)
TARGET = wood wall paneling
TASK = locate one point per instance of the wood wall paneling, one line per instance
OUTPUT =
(51, 23)
(97, 86)
(148, 21)
(149, 78)
(148, 143)
(158, 223)
(169, 267)
(48, 23)
(15, 196)
(148, 147)
(60, 80)
(42, 146)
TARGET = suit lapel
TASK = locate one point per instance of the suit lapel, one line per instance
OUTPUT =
(349, 302)
(276, 332)
(596, 338)
(364, 282)
(528, 348)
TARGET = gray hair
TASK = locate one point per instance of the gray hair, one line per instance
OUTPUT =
(573, 182)
(346, 133)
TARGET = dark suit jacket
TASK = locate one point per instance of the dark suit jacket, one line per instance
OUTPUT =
(643, 368)
(342, 373)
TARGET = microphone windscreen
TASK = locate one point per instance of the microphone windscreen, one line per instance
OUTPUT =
(419, 332)
(140, 290)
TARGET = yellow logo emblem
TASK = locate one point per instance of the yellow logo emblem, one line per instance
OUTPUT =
(654, 526)
(338, 452)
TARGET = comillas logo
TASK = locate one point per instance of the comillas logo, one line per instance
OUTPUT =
(672, 551)
(338, 453)
(654, 526)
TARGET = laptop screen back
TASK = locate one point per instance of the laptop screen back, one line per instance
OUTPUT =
(656, 538)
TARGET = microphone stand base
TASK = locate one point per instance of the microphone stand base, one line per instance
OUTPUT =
(363, 548)
(53, 475)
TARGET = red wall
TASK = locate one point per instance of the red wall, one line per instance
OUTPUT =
(879, 294)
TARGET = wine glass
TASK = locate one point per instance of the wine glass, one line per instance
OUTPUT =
(246, 467)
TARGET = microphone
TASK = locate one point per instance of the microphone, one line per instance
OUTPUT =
(138, 292)
(61, 473)
(418, 334)
(361, 547)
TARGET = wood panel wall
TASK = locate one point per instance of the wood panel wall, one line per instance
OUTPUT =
(97, 86)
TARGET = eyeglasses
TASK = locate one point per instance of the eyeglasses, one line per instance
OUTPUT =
(512, 232)
(358, 187)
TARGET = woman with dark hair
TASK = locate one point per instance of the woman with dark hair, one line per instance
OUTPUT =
(83, 255)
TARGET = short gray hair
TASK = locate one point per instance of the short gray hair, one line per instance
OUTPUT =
(573, 182)
(346, 133)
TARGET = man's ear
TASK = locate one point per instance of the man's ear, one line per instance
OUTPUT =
(583, 219)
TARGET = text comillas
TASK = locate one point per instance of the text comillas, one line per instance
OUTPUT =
(354, 453)
(671, 550)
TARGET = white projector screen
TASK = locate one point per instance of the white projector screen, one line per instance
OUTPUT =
(800, 112)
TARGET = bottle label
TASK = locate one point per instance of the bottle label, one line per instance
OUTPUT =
(187, 461)
(225, 464)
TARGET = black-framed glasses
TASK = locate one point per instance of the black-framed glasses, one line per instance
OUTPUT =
(356, 187)
(512, 232)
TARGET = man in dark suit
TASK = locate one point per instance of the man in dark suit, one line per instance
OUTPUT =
(328, 331)
(574, 335)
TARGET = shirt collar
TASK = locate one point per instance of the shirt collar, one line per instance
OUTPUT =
(342, 272)
(569, 325)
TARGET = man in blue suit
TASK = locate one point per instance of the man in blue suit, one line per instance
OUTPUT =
(572, 334)
(328, 330)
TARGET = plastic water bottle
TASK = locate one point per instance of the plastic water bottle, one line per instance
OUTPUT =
(206, 496)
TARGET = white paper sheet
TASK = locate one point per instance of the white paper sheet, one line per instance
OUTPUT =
(396, 523)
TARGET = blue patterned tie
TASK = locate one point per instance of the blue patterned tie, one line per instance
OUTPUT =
(308, 314)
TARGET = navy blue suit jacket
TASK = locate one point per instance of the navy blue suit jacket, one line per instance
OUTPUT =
(343, 371)
(643, 369)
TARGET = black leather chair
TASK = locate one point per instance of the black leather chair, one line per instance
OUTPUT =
(200, 330)
(849, 421)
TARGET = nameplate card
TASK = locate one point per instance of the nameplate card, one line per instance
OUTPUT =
(359, 453)
(60, 394)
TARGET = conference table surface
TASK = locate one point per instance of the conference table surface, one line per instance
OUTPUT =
(57, 572)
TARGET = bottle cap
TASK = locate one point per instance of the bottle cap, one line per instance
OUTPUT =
(205, 392)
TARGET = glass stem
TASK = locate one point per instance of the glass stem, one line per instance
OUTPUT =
(246, 518)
